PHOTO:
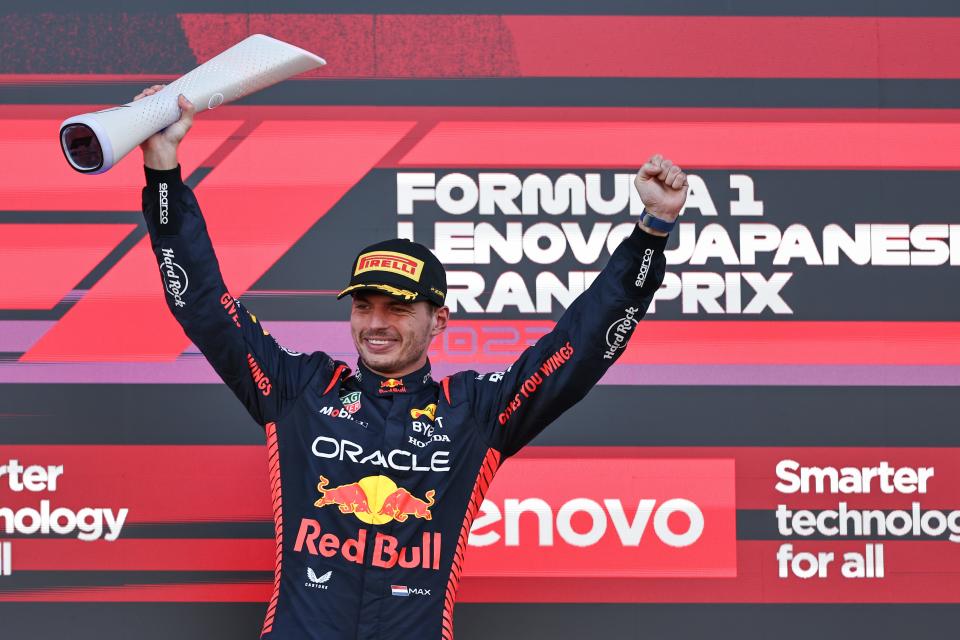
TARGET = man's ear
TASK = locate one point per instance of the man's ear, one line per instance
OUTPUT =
(442, 317)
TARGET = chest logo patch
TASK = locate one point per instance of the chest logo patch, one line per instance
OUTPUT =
(351, 402)
(375, 500)
(430, 411)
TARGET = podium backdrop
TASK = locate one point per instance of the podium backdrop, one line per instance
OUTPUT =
(775, 454)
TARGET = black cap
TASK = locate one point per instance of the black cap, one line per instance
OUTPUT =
(400, 268)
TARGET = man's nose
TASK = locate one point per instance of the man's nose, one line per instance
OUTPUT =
(379, 319)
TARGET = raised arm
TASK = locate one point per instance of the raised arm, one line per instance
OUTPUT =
(266, 377)
(558, 371)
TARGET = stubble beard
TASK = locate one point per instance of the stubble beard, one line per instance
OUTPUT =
(392, 365)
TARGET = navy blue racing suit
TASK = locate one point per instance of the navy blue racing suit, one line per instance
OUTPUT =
(376, 481)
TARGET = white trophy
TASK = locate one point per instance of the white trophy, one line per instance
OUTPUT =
(94, 142)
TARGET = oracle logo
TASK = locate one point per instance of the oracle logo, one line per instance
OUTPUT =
(606, 517)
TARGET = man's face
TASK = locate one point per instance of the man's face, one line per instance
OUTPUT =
(391, 336)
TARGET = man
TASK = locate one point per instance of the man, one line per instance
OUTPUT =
(377, 474)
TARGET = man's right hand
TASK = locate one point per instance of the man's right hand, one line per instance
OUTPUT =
(160, 149)
(663, 188)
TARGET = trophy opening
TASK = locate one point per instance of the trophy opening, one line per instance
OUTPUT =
(81, 146)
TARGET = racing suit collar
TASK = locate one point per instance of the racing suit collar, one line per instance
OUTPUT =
(374, 383)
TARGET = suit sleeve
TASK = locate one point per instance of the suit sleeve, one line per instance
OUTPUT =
(266, 377)
(558, 371)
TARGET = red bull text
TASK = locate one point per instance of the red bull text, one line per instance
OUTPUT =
(387, 551)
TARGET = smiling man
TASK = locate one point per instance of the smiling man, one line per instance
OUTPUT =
(377, 473)
(398, 289)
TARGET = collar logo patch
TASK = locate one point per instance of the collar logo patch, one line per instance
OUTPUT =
(391, 262)
(392, 385)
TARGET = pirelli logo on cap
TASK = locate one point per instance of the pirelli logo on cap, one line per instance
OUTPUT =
(398, 263)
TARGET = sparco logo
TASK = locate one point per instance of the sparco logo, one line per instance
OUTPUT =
(619, 332)
(644, 267)
(175, 279)
(164, 204)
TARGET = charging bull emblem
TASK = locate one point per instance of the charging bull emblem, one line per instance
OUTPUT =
(350, 497)
(375, 500)
(402, 504)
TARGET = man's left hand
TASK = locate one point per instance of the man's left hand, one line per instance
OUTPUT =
(663, 187)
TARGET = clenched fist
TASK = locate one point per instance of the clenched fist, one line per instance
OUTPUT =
(663, 187)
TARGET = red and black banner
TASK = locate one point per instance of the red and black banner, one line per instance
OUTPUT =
(774, 454)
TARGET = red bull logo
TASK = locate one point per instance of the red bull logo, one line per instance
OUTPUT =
(349, 497)
(401, 504)
(387, 551)
(375, 500)
(392, 385)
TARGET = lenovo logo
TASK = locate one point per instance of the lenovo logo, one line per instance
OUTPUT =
(608, 517)
(603, 517)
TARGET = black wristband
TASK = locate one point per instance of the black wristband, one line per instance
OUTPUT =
(655, 223)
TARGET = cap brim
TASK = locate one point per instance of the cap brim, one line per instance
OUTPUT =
(401, 294)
